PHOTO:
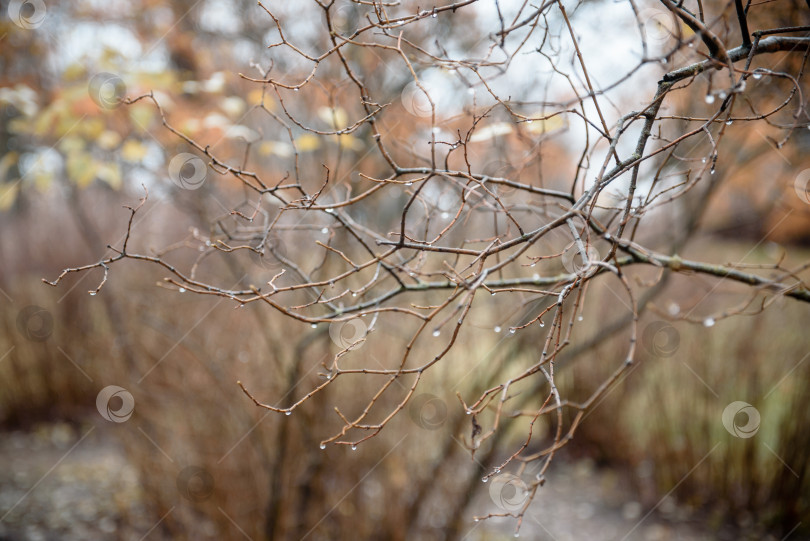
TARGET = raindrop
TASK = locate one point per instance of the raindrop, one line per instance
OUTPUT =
(492, 293)
(296, 90)
(436, 130)
(484, 479)
(542, 323)
(469, 412)
(330, 211)
(92, 293)
(709, 98)
(354, 294)
(182, 290)
(497, 328)
(703, 160)
(476, 519)
(674, 309)
(435, 15)
(535, 277)
(517, 534)
(325, 230)
(757, 76)
(580, 318)
(288, 413)
(437, 332)
(712, 171)
(409, 183)
(445, 215)
(512, 330)
(533, 264)
(708, 322)
(497, 470)
(729, 122)
(314, 325)
(354, 447)
(529, 121)
(323, 446)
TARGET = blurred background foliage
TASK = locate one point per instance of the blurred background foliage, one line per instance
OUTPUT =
(69, 162)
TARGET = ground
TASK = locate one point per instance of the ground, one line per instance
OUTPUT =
(56, 484)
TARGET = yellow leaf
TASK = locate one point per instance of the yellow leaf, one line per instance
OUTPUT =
(8, 159)
(255, 98)
(20, 125)
(45, 122)
(191, 126)
(74, 72)
(42, 178)
(111, 174)
(307, 142)
(141, 116)
(281, 149)
(336, 118)
(81, 169)
(133, 150)
(546, 125)
(64, 124)
(108, 140)
(92, 127)
(69, 145)
(350, 142)
(8, 194)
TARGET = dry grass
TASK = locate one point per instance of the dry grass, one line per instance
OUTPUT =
(180, 356)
